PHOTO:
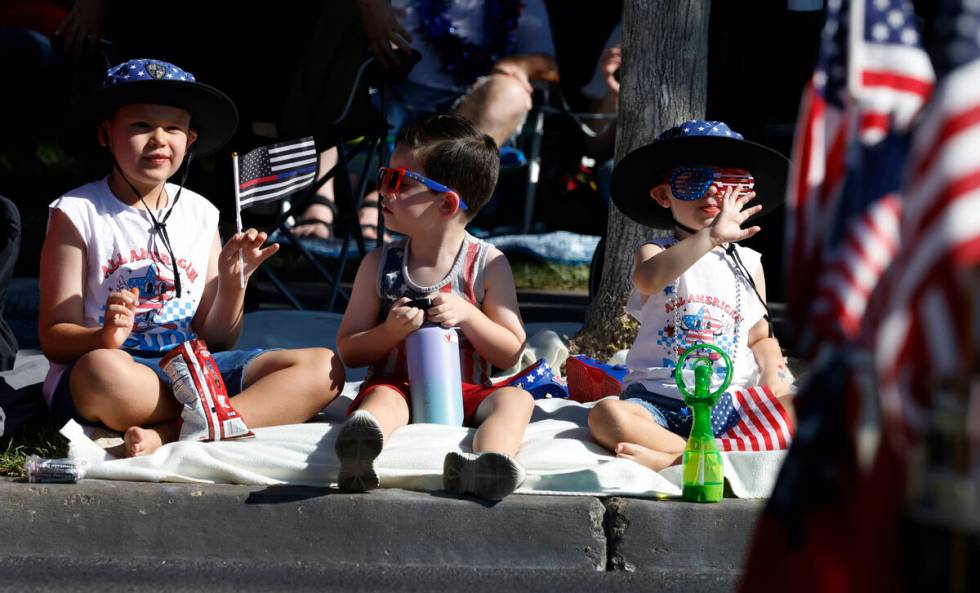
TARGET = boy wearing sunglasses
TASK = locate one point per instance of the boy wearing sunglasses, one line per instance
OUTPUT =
(443, 170)
(703, 181)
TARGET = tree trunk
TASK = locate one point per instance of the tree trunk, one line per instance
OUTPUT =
(664, 81)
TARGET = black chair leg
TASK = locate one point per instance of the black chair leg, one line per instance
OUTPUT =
(282, 288)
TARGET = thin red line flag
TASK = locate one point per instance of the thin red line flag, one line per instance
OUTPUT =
(273, 171)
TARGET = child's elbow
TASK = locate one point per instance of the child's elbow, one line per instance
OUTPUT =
(645, 285)
(348, 354)
(509, 360)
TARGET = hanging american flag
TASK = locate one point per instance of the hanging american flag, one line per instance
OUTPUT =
(274, 171)
(871, 79)
(763, 424)
(925, 334)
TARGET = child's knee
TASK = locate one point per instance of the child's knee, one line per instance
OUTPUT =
(514, 399)
(326, 366)
(606, 414)
(510, 93)
(100, 368)
(103, 384)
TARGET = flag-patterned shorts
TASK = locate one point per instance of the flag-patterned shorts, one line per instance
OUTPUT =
(672, 414)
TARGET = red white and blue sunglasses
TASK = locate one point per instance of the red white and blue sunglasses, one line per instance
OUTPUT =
(390, 180)
(692, 183)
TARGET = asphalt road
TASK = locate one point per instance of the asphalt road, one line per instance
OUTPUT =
(44, 574)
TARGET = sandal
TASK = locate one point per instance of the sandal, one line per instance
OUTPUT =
(373, 228)
(321, 200)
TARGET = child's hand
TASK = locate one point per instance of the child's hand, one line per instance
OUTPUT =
(449, 310)
(778, 379)
(403, 320)
(250, 242)
(727, 225)
(120, 312)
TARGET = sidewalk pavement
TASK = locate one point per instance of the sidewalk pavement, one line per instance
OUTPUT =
(96, 520)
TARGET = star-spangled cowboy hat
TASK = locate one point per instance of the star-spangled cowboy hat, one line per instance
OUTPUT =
(213, 114)
(694, 142)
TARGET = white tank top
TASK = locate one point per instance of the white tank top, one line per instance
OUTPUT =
(709, 304)
(121, 252)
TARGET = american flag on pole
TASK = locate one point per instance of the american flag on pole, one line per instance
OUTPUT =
(923, 326)
(763, 423)
(926, 335)
(872, 77)
(274, 171)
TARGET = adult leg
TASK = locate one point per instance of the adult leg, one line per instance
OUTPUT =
(362, 437)
(628, 430)
(497, 105)
(319, 216)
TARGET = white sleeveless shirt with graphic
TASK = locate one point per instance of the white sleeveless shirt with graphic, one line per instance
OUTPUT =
(122, 251)
(709, 303)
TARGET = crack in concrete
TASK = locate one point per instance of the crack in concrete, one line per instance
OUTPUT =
(615, 524)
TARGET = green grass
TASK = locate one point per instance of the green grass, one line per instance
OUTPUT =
(37, 438)
(530, 273)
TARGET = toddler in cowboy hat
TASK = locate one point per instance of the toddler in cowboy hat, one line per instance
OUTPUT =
(701, 179)
(132, 266)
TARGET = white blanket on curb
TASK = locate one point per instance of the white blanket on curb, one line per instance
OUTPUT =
(558, 453)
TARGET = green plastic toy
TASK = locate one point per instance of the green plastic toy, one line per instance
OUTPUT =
(704, 475)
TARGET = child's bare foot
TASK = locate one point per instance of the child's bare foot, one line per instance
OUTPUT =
(141, 441)
(655, 460)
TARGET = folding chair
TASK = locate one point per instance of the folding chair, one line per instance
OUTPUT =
(534, 131)
(370, 142)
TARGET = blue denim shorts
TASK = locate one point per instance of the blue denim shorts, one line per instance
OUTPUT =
(231, 364)
(672, 414)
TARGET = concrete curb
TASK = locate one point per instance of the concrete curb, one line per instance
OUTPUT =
(672, 544)
(224, 522)
(680, 535)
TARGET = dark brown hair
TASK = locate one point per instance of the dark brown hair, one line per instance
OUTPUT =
(454, 152)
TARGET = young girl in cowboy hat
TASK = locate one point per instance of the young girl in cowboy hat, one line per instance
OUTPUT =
(699, 179)
(132, 266)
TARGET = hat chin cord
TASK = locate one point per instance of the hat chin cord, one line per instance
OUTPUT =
(683, 227)
(160, 225)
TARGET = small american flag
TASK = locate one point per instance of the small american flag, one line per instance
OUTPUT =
(763, 424)
(274, 171)
(925, 336)
(872, 78)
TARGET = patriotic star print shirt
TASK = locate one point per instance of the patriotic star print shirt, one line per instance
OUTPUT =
(465, 279)
(707, 304)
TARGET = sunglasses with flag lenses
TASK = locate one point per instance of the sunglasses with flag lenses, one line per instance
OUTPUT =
(390, 180)
(692, 183)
